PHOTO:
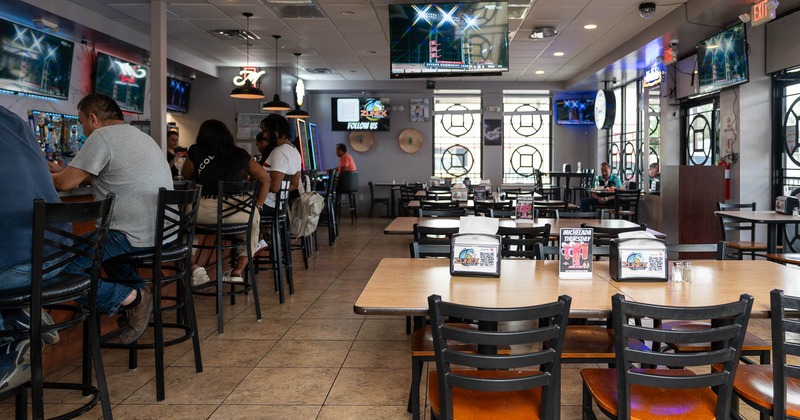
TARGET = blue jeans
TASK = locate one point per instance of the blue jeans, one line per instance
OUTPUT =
(18, 277)
(111, 295)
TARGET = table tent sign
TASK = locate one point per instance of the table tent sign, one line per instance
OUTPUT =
(575, 253)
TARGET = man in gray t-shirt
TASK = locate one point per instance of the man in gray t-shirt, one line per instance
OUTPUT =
(118, 158)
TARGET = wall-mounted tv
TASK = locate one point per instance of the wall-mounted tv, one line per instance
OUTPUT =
(360, 114)
(448, 39)
(34, 62)
(122, 80)
(178, 95)
(575, 111)
(722, 59)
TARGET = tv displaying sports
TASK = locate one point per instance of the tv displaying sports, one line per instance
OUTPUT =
(122, 80)
(448, 39)
(178, 95)
(575, 111)
(722, 59)
(360, 114)
(33, 62)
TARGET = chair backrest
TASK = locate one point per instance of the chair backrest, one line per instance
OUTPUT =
(719, 249)
(539, 350)
(730, 225)
(483, 208)
(433, 235)
(176, 218)
(408, 192)
(444, 203)
(348, 182)
(626, 203)
(236, 197)
(441, 212)
(498, 213)
(428, 250)
(603, 235)
(371, 190)
(566, 214)
(782, 368)
(524, 242)
(53, 239)
(728, 326)
(333, 182)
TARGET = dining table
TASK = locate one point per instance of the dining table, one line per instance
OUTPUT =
(769, 218)
(567, 177)
(393, 188)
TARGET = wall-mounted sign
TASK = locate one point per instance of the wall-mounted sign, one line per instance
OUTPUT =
(670, 55)
(763, 11)
(248, 73)
(653, 76)
(360, 114)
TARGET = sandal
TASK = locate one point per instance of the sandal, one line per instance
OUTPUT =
(227, 278)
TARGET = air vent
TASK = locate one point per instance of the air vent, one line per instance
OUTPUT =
(228, 34)
(309, 11)
(320, 70)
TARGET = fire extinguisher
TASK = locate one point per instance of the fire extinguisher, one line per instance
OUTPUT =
(727, 167)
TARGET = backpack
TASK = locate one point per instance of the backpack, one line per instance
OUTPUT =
(304, 212)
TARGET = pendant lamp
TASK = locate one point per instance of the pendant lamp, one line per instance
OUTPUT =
(276, 104)
(248, 91)
(297, 112)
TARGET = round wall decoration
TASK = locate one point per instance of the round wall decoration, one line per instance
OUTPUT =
(410, 140)
(361, 141)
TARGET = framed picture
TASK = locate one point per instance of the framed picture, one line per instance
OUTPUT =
(420, 110)
(492, 132)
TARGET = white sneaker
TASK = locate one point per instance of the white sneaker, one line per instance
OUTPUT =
(262, 245)
(200, 276)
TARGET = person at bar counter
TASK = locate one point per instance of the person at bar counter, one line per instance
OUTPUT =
(122, 159)
(346, 162)
(605, 181)
(25, 177)
(284, 159)
(215, 157)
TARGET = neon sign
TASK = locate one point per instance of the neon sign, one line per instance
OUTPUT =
(248, 73)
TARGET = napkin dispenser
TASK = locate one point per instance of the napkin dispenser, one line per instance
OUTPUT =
(638, 257)
(786, 204)
(475, 254)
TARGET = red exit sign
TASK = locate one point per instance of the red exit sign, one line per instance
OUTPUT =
(764, 11)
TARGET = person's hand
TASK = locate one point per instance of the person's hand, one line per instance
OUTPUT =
(54, 167)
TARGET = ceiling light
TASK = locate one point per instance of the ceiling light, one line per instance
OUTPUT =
(539, 72)
(348, 12)
(247, 91)
(300, 90)
(543, 32)
(558, 54)
(590, 26)
(276, 104)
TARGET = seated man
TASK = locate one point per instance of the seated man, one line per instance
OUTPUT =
(346, 162)
(605, 181)
(655, 177)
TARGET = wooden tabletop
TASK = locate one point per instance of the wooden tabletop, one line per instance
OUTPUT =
(405, 225)
(401, 286)
(760, 216)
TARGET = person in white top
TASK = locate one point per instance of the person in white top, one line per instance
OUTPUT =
(284, 159)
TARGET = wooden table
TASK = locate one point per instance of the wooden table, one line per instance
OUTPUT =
(767, 217)
(401, 286)
(405, 225)
(392, 188)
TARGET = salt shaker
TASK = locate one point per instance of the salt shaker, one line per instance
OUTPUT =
(677, 271)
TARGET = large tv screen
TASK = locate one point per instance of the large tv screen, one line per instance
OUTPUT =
(722, 59)
(122, 80)
(178, 95)
(575, 111)
(448, 39)
(360, 114)
(34, 62)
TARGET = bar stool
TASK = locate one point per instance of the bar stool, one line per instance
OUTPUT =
(54, 247)
(347, 185)
(170, 261)
(280, 246)
(232, 198)
(329, 214)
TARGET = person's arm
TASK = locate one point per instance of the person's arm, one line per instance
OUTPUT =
(187, 171)
(295, 182)
(68, 178)
(265, 183)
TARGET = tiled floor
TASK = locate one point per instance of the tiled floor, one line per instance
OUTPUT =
(311, 357)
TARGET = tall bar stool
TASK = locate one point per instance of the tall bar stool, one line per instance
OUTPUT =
(347, 185)
(232, 198)
(170, 261)
(280, 246)
(54, 247)
(329, 213)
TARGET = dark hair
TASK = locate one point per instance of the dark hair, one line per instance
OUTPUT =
(214, 138)
(104, 107)
(171, 132)
(276, 126)
(341, 147)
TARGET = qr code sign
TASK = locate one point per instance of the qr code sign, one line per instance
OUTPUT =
(486, 259)
(656, 263)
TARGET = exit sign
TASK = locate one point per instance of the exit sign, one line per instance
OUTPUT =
(763, 11)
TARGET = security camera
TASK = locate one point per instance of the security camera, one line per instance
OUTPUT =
(647, 9)
(192, 76)
(673, 42)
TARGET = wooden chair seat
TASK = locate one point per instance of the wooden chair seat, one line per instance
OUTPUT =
(514, 405)
(747, 245)
(753, 384)
(591, 344)
(751, 346)
(647, 402)
(792, 258)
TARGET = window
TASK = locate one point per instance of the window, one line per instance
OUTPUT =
(457, 151)
(625, 143)
(527, 137)
(700, 132)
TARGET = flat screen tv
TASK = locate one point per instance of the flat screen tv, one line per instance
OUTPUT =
(448, 39)
(122, 80)
(33, 62)
(178, 95)
(360, 114)
(575, 111)
(722, 59)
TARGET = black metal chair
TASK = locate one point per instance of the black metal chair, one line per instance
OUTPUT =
(408, 193)
(731, 226)
(54, 247)
(170, 262)
(626, 205)
(377, 200)
(630, 392)
(232, 198)
(279, 257)
(484, 208)
(441, 212)
(328, 217)
(347, 185)
(502, 213)
(524, 241)
(489, 385)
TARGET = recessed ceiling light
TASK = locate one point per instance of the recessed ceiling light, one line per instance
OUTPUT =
(539, 72)
(590, 26)
(348, 12)
(558, 54)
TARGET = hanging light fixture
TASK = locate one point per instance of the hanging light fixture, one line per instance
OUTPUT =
(276, 104)
(247, 91)
(301, 91)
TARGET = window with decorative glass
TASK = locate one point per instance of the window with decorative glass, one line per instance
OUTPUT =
(527, 137)
(457, 151)
(701, 132)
